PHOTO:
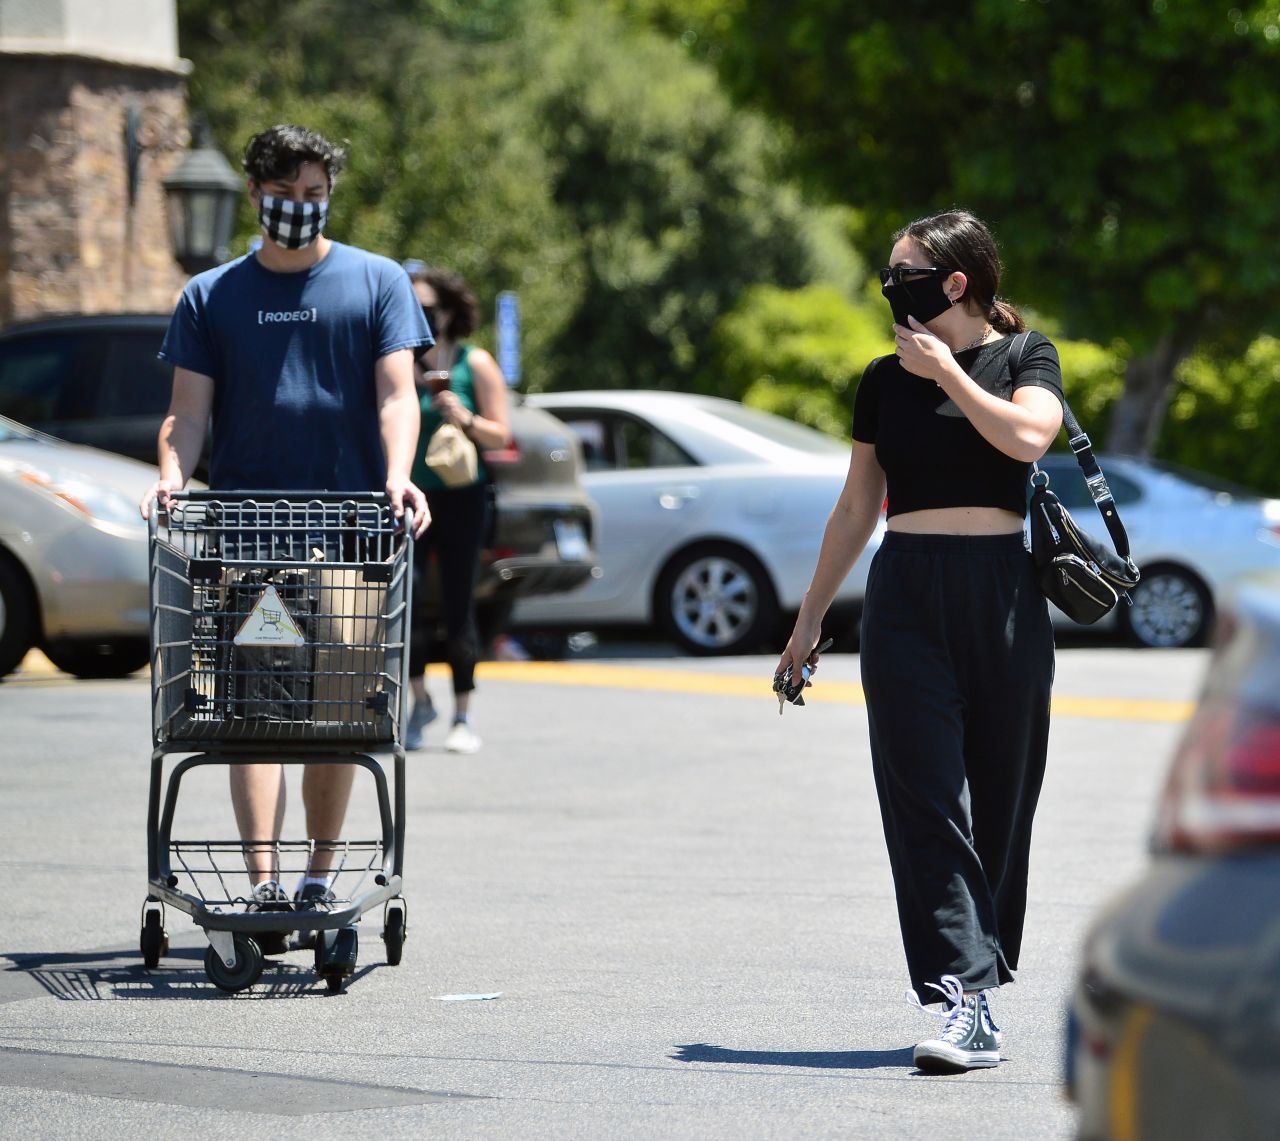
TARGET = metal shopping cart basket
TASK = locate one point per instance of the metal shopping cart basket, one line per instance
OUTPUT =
(279, 634)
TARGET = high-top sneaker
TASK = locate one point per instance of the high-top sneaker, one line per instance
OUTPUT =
(969, 1038)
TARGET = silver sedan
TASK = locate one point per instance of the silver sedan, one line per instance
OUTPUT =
(73, 555)
(710, 518)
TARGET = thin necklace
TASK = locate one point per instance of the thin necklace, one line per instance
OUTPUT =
(986, 332)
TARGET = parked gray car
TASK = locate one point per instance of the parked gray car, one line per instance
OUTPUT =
(1174, 1027)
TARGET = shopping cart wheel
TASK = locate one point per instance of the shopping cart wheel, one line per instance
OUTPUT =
(393, 932)
(154, 941)
(336, 953)
(246, 972)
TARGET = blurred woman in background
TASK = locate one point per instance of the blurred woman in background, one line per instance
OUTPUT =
(462, 385)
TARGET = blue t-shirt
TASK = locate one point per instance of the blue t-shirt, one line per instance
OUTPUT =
(292, 360)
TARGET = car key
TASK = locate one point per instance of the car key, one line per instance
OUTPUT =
(784, 683)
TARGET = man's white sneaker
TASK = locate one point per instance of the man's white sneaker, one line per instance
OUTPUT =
(462, 738)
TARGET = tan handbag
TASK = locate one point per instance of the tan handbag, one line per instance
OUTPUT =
(452, 456)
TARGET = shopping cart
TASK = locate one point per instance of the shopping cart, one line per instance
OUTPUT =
(279, 628)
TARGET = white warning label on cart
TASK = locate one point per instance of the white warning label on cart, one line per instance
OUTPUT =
(269, 624)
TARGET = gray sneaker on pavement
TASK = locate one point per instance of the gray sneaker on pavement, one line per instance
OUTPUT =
(311, 897)
(969, 1039)
(270, 896)
(423, 714)
(986, 1010)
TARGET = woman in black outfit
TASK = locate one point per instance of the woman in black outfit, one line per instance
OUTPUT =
(957, 647)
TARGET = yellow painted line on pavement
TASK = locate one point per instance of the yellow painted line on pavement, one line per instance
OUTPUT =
(35, 663)
(592, 675)
(1124, 709)
(599, 676)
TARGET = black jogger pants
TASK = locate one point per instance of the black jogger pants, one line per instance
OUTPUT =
(957, 667)
(459, 524)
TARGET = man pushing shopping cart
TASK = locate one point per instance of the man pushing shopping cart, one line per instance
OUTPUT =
(302, 354)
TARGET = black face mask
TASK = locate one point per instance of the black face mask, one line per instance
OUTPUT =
(923, 299)
(432, 314)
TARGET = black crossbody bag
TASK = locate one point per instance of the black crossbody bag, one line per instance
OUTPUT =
(1078, 573)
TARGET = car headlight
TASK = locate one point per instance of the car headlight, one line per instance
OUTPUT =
(103, 504)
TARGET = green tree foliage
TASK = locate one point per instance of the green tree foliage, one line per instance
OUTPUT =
(675, 195)
(549, 147)
(1121, 150)
(1225, 417)
(799, 353)
(441, 165)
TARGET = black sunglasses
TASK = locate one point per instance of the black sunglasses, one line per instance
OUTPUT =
(896, 273)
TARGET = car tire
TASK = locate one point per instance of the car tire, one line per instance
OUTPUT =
(715, 598)
(17, 615)
(1171, 608)
(99, 658)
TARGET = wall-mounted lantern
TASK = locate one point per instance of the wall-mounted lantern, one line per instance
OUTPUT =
(202, 192)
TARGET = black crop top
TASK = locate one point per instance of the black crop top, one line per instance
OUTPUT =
(931, 455)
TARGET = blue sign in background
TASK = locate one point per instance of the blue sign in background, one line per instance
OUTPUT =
(508, 320)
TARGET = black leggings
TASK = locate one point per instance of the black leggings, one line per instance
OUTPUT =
(459, 523)
(957, 667)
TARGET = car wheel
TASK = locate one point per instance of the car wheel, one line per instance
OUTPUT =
(17, 616)
(99, 658)
(1171, 608)
(716, 599)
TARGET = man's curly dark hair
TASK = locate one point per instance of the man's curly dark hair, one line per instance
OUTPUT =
(279, 151)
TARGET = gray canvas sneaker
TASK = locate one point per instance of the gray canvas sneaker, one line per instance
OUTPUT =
(991, 1022)
(424, 712)
(270, 896)
(310, 897)
(969, 1039)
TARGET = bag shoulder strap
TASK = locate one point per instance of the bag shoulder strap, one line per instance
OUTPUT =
(1082, 447)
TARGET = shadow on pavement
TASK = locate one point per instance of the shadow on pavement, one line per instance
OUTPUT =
(808, 1059)
(89, 976)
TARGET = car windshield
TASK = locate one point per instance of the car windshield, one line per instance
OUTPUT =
(776, 430)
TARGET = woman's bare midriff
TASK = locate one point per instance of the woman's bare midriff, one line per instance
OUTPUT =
(957, 521)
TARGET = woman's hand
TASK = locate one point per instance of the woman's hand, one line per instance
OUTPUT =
(800, 651)
(452, 409)
(922, 353)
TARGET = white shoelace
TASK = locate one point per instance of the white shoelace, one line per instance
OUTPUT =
(959, 1019)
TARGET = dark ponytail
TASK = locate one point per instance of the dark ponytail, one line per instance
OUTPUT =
(1005, 318)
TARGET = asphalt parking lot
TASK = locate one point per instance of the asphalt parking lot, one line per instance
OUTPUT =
(679, 899)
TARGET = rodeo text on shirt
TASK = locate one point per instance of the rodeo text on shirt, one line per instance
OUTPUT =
(266, 317)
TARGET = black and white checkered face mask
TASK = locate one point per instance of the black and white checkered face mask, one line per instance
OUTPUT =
(292, 224)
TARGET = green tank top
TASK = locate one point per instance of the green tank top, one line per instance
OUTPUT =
(462, 383)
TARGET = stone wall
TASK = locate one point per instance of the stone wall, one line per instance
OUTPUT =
(70, 241)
